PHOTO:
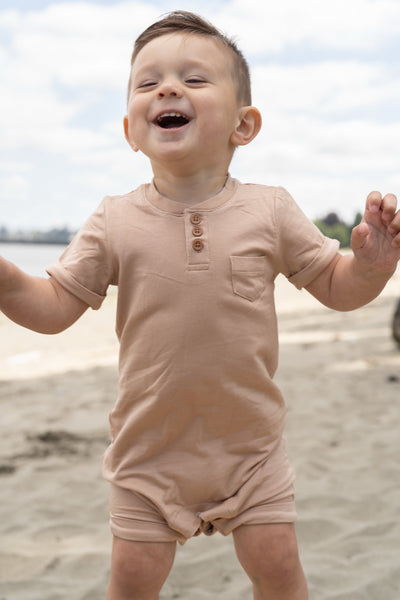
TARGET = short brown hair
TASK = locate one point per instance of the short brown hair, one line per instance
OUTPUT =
(181, 21)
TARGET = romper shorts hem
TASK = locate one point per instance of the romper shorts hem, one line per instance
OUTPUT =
(135, 517)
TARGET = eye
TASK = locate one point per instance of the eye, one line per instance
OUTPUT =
(195, 80)
(147, 84)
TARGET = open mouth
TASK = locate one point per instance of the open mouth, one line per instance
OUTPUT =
(172, 120)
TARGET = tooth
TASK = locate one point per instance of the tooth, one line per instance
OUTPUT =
(171, 114)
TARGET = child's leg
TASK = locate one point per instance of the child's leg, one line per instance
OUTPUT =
(269, 555)
(139, 569)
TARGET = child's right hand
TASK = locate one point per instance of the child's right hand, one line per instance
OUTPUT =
(37, 303)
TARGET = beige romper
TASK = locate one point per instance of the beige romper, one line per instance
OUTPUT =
(197, 428)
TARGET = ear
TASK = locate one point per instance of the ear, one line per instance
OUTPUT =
(248, 126)
(128, 137)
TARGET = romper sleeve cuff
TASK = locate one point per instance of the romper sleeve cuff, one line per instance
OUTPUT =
(326, 254)
(64, 278)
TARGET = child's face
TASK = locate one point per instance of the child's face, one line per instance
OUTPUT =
(183, 104)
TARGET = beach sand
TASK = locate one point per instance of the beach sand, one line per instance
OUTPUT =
(340, 374)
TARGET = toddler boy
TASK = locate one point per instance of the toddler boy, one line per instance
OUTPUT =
(197, 428)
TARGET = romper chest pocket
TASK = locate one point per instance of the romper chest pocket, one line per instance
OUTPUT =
(249, 276)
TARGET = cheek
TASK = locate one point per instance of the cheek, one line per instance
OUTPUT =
(133, 130)
(221, 107)
(137, 110)
(216, 115)
(136, 121)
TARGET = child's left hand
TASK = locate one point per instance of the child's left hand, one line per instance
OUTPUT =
(376, 240)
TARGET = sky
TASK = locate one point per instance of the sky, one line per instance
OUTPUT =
(326, 77)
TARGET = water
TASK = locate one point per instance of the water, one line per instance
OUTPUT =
(32, 258)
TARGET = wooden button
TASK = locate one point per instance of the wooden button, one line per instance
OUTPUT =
(198, 245)
(197, 231)
(195, 218)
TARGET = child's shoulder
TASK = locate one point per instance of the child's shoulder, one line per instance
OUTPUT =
(271, 194)
(131, 196)
(125, 203)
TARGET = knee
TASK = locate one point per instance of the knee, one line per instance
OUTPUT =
(270, 557)
(281, 563)
(279, 575)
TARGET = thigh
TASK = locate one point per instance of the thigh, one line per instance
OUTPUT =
(139, 569)
(261, 543)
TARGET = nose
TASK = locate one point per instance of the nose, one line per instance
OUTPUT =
(170, 88)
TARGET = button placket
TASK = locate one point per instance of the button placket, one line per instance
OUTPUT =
(196, 240)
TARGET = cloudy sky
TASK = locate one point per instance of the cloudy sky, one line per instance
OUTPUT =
(326, 76)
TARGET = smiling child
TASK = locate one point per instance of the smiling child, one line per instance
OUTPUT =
(197, 430)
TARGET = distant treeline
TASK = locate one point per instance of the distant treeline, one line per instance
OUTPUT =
(333, 227)
(62, 235)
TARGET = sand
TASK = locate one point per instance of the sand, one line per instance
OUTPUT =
(340, 373)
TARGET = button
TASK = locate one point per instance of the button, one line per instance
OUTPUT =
(195, 218)
(197, 231)
(198, 245)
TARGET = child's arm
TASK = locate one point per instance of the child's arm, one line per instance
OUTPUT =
(353, 280)
(40, 304)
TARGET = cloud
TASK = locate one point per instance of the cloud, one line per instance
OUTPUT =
(330, 89)
(270, 27)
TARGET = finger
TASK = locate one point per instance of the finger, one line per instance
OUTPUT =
(359, 235)
(394, 225)
(396, 241)
(389, 205)
(374, 201)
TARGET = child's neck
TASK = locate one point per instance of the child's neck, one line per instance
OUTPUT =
(190, 190)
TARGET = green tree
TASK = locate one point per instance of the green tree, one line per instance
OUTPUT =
(333, 227)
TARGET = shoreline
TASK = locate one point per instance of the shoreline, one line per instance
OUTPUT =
(51, 242)
(92, 340)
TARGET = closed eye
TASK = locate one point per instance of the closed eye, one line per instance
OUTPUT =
(195, 80)
(147, 84)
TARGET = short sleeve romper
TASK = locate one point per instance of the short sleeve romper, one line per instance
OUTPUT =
(198, 417)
